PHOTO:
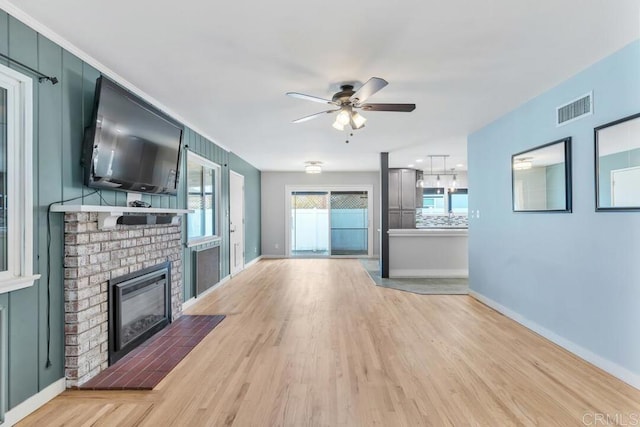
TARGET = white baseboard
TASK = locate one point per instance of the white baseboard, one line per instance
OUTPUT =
(194, 300)
(188, 303)
(252, 262)
(249, 264)
(273, 256)
(439, 274)
(34, 402)
(606, 365)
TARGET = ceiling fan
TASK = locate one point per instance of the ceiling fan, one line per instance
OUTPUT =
(347, 100)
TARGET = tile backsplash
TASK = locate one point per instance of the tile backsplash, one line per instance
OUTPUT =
(441, 221)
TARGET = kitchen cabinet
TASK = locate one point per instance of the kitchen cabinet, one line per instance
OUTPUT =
(394, 189)
(403, 198)
(395, 219)
(408, 218)
(408, 189)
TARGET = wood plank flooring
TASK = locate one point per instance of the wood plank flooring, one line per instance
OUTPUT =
(315, 342)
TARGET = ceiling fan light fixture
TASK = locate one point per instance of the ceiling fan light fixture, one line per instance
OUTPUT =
(313, 167)
(357, 120)
(343, 117)
(347, 99)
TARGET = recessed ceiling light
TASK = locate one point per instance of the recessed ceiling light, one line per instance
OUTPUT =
(313, 166)
(409, 166)
(459, 165)
(419, 160)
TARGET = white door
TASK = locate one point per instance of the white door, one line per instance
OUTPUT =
(236, 222)
(625, 186)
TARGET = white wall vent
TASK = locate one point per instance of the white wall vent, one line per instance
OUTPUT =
(574, 110)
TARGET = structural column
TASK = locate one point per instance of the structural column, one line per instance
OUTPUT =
(384, 215)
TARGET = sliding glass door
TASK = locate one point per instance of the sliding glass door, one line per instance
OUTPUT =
(309, 223)
(349, 223)
(328, 222)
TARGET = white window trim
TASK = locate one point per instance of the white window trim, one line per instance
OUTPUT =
(201, 240)
(19, 181)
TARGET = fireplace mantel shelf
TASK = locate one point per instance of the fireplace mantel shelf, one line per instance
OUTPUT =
(108, 215)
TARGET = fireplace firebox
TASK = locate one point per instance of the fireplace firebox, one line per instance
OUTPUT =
(139, 306)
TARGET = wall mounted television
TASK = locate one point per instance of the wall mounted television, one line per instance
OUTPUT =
(130, 145)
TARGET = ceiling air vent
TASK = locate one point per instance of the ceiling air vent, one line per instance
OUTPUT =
(575, 109)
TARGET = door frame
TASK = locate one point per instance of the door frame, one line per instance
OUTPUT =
(243, 223)
(288, 189)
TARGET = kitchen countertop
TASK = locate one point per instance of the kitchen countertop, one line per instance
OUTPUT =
(418, 232)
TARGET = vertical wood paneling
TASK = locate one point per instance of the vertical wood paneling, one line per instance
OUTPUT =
(89, 77)
(224, 253)
(252, 226)
(24, 312)
(4, 36)
(49, 191)
(72, 126)
(187, 283)
(4, 302)
(207, 149)
(121, 198)
(4, 48)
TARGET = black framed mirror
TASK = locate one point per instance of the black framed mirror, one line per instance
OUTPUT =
(541, 178)
(617, 158)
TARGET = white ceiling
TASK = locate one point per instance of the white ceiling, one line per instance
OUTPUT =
(224, 67)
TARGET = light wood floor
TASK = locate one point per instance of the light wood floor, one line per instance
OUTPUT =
(314, 342)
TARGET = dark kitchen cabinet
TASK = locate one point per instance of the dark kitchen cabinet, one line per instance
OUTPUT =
(403, 198)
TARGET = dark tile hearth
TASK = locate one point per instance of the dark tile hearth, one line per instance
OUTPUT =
(148, 364)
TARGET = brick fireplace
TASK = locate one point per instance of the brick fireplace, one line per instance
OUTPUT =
(92, 258)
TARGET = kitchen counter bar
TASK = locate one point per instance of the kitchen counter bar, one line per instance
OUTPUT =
(428, 252)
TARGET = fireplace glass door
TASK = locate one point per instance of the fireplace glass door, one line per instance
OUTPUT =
(140, 307)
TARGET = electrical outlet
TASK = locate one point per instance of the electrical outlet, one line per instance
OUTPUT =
(277, 246)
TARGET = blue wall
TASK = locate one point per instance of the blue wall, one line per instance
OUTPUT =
(61, 113)
(577, 275)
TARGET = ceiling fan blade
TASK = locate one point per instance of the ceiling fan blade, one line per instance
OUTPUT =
(372, 85)
(406, 108)
(310, 98)
(313, 116)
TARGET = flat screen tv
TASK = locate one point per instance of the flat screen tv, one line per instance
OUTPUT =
(130, 145)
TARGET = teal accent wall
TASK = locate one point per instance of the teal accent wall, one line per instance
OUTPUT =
(252, 231)
(622, 160)
(61, 112)
(58, 125)
(200, 145)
